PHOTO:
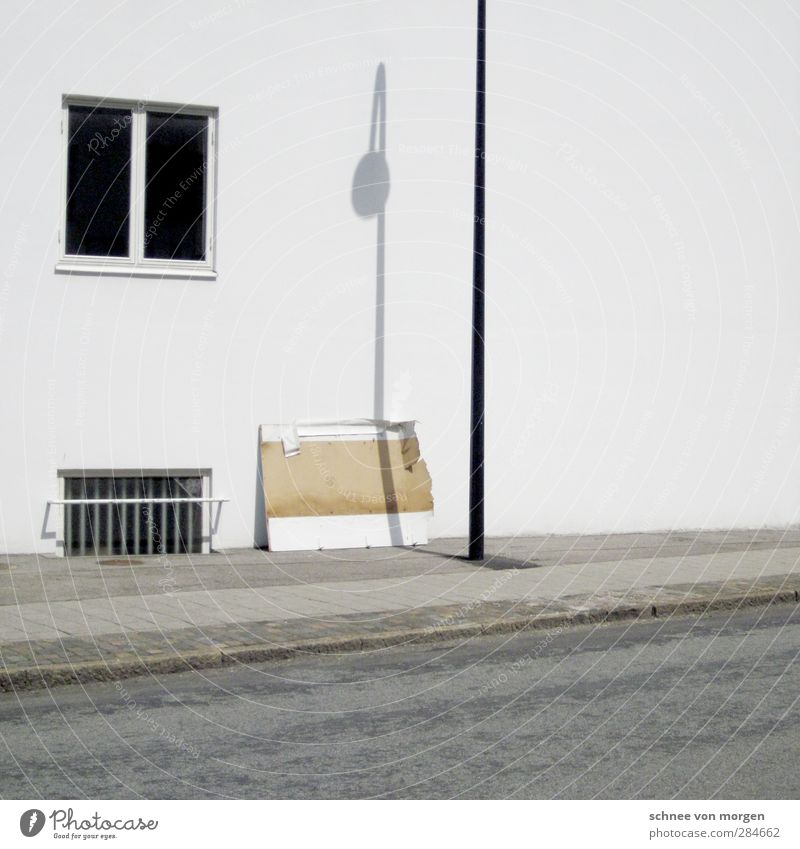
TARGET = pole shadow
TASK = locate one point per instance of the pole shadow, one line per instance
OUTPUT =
(370, 193)
(260, 537)
(492, 562)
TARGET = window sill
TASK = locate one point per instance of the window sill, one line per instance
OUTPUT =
(129, 270)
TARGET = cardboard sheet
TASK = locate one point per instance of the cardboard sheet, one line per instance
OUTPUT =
(346, 477)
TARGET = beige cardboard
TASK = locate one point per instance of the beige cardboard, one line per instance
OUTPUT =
(346, 478)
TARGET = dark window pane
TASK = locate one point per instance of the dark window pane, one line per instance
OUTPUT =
(175, 196)
(98, 181)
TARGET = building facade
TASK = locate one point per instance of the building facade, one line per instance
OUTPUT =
(221, 267)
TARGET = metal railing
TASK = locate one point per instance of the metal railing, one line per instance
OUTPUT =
(106, 524)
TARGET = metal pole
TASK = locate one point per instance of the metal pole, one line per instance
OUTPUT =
(478, 301)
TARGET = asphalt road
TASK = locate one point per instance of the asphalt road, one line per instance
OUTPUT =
(691, 708)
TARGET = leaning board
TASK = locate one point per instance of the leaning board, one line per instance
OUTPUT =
(352, 484)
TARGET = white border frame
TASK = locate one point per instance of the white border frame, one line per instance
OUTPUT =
(360, 530)
(136, 265)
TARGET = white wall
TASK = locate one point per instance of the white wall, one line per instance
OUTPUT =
(645, 265)
(643, 364)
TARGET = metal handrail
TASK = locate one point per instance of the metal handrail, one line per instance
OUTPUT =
(137, 500)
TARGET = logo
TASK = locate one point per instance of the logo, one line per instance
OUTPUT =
(31, 822)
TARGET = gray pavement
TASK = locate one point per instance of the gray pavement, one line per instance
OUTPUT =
(58, 612)
(30, 578)
(79, 597)
(678, 708)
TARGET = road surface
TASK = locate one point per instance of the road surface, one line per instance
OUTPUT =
(688, 707)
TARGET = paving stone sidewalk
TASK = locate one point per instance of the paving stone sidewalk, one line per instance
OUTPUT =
(80, 619)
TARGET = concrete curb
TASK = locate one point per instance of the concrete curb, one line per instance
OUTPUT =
(37, 677)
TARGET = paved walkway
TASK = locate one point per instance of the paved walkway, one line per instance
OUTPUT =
(60, 611)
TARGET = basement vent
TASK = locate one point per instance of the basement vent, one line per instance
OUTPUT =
(115, 514)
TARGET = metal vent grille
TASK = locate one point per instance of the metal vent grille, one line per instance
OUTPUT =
(133, 515)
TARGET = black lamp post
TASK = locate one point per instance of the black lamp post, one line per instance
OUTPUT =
(478, 302)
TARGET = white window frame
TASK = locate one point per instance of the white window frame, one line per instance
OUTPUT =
(137, 265)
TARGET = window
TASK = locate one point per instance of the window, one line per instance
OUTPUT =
(134, 513)
(139, 188)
